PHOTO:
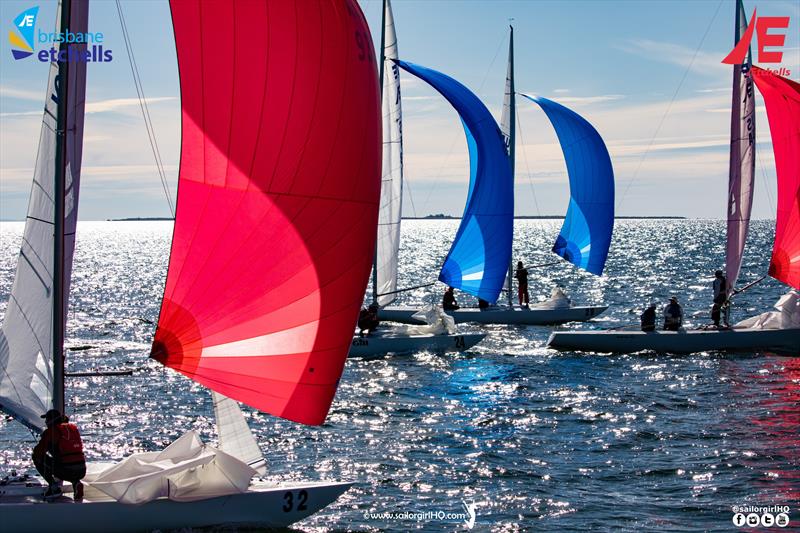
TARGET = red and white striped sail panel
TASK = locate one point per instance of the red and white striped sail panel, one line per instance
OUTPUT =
(782, 99)
(278, 192)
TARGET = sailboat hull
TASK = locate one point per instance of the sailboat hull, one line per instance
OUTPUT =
(261, 506)
(380, 345)
(780, 340)
(502, 315)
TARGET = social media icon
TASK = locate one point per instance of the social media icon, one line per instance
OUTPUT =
(738, 519)
(753, 520)
(782, 520)
(767, 520)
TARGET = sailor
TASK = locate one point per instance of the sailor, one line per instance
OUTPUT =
(449, 300)
(649, 318)
(720, 296)
(483, 304)
(368, 320)
(522, 284)
(59, 454)
(673, 315)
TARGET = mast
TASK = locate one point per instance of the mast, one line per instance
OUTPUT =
(59, 212)
(380, 87)
(512, 120)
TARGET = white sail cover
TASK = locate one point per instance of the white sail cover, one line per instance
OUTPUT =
(786, 315)
(742, 159)
(235, 437)
(186, 470)
(26, 336)
(391, 206)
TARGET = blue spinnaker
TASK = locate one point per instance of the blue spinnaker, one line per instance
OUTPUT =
(479, 257)
(586, 233)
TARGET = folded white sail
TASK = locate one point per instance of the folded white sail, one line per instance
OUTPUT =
(786, 315)
(186, 470)
(391, 206)
(26, 353)
(235, 437)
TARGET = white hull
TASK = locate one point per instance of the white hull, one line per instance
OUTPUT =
(381, 344)
(502, 315)
(782, 340)
(263, 505)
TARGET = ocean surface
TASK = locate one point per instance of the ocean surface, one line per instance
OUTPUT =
(535, 439)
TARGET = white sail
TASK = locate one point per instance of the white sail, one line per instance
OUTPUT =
(26, 360)
(507, 128)
(742, 159)
(235, 437)
(391, 205)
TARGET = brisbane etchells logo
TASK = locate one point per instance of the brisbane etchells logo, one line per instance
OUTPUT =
(62, 46)
(22, 39)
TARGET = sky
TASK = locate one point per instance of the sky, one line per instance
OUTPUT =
(647, 74)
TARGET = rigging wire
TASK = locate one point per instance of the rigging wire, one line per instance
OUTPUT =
(148, 122)
(527, 167)
(669, 107)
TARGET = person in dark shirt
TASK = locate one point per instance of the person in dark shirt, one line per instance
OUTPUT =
(449, 300)
(673, 315)
(482, 304)
(368, 320)
(522, 284)
(59, 454)
(649, 318)
(720, 288)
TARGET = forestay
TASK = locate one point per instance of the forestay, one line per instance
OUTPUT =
(782, 100)
(391, 206)
(479, 257)
(585, 236)
(26, 338)
(277, 200)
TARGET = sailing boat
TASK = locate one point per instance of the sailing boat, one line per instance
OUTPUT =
(777, 330)
(586, 233)
(438, 333)
(273, 239)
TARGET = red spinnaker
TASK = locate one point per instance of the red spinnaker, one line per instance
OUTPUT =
(782, 99)
(277, 199)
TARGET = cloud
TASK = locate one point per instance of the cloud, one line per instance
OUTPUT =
(100, 106)
(585, 100)
(701, 62)
(20, 94)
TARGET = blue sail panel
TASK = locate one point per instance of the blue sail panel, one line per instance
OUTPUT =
(586, 234)
(479, 257)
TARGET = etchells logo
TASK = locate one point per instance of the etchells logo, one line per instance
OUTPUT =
(24, 38)
(762, 27)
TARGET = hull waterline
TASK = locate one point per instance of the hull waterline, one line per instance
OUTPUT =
(380, 345)
(502, 315)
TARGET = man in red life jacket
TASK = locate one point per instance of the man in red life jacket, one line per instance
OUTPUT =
(59, 454)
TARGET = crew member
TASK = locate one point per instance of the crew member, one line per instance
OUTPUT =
(522, 284)
(59, 454)
(649, 318)
(368, 320)
(673, 315)
(720, 296)
(449, 300)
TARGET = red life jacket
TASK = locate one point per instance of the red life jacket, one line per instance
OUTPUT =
(68, 444)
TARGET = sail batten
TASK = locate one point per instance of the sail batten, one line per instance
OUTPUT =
(478, 258)
(278, 197)
(782, 100)
(741, 175)
(585, 236)
(26, 339)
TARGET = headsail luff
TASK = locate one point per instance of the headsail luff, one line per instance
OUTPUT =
(277, 200)
(235, 437)
(26, 338)
(741, 175)
(508, 121)
(585, 237)
(782, 100)
(478, 259)
(391, 207)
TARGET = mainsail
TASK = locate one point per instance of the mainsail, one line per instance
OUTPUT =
(26, 338)
(277, 200)
(742, 159)
(782, 100)
(585, 237)
(479, 257)
(508, 121)
(391, 206)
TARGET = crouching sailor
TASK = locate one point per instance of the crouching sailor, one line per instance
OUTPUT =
(673, 315)
(59, 454)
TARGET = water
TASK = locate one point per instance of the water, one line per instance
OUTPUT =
(538, 440)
